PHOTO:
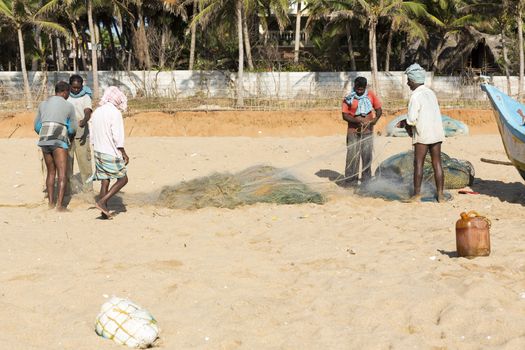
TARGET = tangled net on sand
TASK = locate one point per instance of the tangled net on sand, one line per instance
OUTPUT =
(257, 184)
(394, 177)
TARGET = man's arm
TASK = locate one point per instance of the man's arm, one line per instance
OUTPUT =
(88, 109)
(73, 122)
(117, 131)
(124, 155)
(413, 111)
(37, 125)
(379, 113)
(87, 116)
(356, 120)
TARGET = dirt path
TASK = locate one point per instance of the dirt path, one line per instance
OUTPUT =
(244, 123)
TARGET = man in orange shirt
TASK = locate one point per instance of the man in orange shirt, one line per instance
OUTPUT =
(358, 111)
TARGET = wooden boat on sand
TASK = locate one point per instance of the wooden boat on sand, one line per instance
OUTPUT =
(510, 117)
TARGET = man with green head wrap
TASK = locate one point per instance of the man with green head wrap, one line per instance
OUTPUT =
(425, 126)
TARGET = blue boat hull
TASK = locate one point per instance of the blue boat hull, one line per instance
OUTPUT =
(510, 125)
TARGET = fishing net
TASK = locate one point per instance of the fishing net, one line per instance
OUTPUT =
(452, 127)
(394, 176)
(257, 184)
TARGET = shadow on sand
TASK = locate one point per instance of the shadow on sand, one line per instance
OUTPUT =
(513, 192)
(333, 176)
(115, 206)
(449, 253)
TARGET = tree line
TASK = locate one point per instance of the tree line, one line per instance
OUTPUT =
(343, 35)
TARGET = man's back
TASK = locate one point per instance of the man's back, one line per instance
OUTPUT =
(55, 120)
(57, 109)
(107, 130)
(425, 115)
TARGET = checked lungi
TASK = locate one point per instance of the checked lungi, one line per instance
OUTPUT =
(108, 167)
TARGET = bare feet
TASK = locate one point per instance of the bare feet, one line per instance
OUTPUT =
(103, 209)
(50, 205)
(62, 209)
(441, 198)
(415, 198)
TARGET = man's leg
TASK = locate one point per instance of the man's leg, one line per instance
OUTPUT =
(70, 166)
(60, 158)
(352, 159)
(103, 202)
(104, 187)
(367, 150)
(83, 154)
(435, 154)
(50, 178)
(420, 151)
(43, 168)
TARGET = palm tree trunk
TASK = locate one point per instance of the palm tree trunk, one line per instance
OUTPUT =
(389, 47)
(505, 60)
(38, 41)
(403, 51)
(372, 28)
(94, 63)
(53, 49)
(297, 32)
(162, 50)
(27, 91)
(193, 36)
(59, 54)
(119, 37)
(240, 75)
(107, 24)
(75, 46)
(247, 46)
(519, 19)
(144, 39)
(437, 53)
(350, 46)
(100, 44)
(83, 53)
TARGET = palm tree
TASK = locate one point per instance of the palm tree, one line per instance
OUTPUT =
(240, 72)
(519, 20)
(193, 29)
(449, 18)
(272, 8)
(297, 32)
(246, 36)
(493, 17)
(371, 11)
(21, 14)
(94, 59)
(214, 9)
(404, 18)
(339, 16)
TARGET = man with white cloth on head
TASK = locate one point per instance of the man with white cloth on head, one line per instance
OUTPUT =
(107, 137)
(425, 126)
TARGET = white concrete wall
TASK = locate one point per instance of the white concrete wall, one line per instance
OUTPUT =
(273, 85)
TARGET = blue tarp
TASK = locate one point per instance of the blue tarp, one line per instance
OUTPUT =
(452, 127)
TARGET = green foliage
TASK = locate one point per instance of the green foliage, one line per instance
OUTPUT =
(420, 29)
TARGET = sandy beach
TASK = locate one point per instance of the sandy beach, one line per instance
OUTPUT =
(354, 273)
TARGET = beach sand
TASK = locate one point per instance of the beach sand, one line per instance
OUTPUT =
(354, 273)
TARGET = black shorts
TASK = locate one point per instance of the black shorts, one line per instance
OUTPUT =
(49, 149)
